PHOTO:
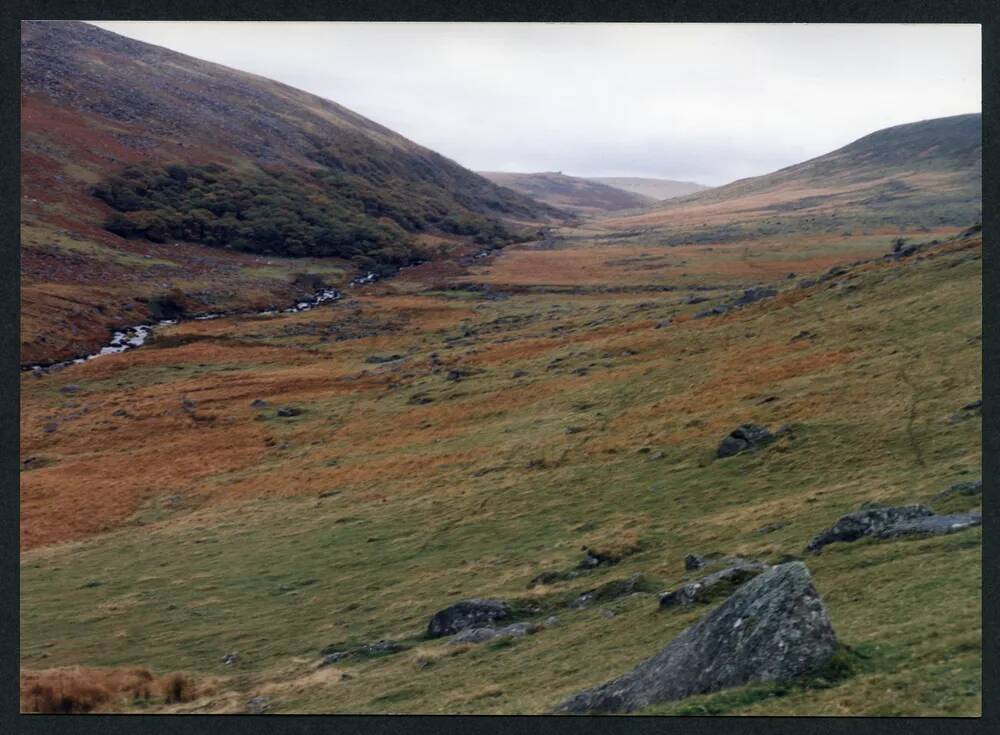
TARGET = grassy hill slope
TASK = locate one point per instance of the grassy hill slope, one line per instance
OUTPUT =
(524, 423)
(262, 169)
(926, 174)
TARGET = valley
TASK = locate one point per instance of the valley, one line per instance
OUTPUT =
(473, 395)
(459, 430)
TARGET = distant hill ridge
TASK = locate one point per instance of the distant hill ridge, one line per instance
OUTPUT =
(653, 188)
(569, 192)
(917, 175)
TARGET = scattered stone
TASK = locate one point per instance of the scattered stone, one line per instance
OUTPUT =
(69, 389)
(379, 359)
(720, 309)
(519, 374)
(934, 525)
(120, 412)
(610, 590)
(712, 586)
(748, 437)
(333, 654)
(551, 622)
(478, 635)
(804, 334)
(693, 562)
(871, 519)
(663, 324)
(50, 427)
(573, 429)
(258, 705)
(466, 614)
(230, 658)
(974, 487)
(287, 411)
(607, 613)
(593, 559)
(258, 403)
(774, 628)
(753, 295)
(455, 375)
(770, 528)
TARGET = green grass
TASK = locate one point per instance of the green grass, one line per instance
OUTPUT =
(196, 583)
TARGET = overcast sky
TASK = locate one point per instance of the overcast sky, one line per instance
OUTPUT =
(701, 102)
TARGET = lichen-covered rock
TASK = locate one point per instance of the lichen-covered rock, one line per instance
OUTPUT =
(744, 438)
(870, 520)
(471, 613)
(334, 654)
(479, 635)
(933, 525)
(774, 628)
(713, 585)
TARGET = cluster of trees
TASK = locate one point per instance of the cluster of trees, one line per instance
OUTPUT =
(285, 212)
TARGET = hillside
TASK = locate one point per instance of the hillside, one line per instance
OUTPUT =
(129, 149)
(570, 193)
(658, 189)
(543, 452)
(458, 432)
(919, 175)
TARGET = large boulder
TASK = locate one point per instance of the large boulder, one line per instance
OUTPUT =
(713, 585)
(474, 613)
(774, 628)
(883, 521)
(744, 438)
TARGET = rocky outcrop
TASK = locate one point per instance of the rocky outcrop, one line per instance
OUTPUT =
(882, 521)
(933, 525)
(712, 586)
(748, 437)
(774, 628)
(334, 654)
(473, 613)
(479, 635)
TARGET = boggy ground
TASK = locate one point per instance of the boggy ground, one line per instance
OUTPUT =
(167, 522)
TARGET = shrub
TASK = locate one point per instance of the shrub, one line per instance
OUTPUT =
(332, 212)
(78, 690)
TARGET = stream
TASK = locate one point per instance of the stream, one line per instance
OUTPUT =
(129, 338)
(132, 337)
